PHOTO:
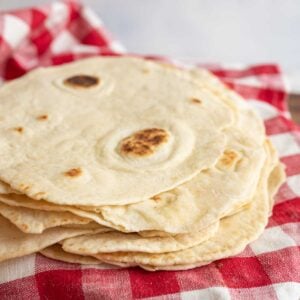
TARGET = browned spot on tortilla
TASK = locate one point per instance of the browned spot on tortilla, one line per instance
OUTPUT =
(196, 101)
(145, 71)
(156, 198)
(19, 129)
(82, 81)
(229, 158)
(73, 172)
(42, 118)
(144, 142)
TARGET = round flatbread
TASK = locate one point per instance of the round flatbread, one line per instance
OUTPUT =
(125, 127)
(36, 221)
(118, 241)
(15, 243)
(56, 252)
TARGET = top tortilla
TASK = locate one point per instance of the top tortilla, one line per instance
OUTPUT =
(125, 127)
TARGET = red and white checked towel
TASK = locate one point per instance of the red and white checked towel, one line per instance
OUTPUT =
(268, 269)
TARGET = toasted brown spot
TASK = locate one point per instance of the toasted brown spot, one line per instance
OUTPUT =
(229, 158)
(143, 142)
(42, 118)
(156, 198)
(19, 129)
(82, 81)
(196, 101)
(73, 172)
(146, 71)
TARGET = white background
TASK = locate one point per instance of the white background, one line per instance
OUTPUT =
(246, 31)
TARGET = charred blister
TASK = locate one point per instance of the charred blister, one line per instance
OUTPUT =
(156, 198)
(82, 81)
(196, 101)
(75, 172)
(144, 142)
(42, 117)
(18, 129)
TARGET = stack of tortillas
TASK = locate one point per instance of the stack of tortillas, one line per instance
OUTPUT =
(133, 163)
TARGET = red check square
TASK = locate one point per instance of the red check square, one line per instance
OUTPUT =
(22, 288)
(150, 284)
(66, 282)
(245, 272)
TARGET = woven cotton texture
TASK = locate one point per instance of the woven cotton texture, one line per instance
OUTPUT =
(268, 268)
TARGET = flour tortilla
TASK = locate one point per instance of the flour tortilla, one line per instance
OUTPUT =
(36, 221)
(206, 198)
(204, 79)
(15, 243)
(234, 234)
(56, 252)
(117, 241)
(144, 216)
(16, 200)
(100, 125)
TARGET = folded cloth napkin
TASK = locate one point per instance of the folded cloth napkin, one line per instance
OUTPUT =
(268, 268)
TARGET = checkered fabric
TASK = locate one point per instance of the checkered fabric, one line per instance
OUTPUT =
(268, 268)
(50, 35)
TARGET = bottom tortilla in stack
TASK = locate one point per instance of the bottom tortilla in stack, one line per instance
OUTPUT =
(15, 243)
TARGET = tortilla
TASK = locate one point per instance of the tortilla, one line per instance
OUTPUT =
(18, 200)
(15, 243)
(56, 252)
(117, 241)
(169, 129)
(36, 221)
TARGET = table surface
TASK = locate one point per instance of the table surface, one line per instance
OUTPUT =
(294, 107)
